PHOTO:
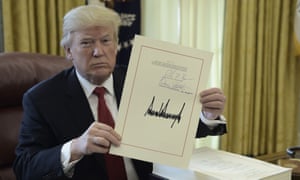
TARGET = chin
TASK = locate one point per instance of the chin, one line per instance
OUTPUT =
(100, 78)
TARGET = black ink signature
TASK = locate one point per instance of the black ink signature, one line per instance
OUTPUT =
(162, 112)
(175, 80)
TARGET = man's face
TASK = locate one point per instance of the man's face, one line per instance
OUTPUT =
(93, 53)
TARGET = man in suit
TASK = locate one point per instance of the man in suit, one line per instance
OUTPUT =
(60, 136)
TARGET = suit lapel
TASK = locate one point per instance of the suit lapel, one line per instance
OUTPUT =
(119, 78)
(78, 106)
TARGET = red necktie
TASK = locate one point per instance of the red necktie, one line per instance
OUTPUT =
(114, 164)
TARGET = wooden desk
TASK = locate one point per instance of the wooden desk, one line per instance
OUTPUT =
(273, 158)
(282, 159)
(291, 163)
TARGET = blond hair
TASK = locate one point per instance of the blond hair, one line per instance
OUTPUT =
(87, 16)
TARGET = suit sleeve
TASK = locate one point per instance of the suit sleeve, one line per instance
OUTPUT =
(37, 155)
(203, 130)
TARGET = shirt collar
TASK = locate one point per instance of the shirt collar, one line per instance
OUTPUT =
(88, 87)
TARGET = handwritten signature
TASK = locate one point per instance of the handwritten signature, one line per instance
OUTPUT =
(162, 112)
(175, 80)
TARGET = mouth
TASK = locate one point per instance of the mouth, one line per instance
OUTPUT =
(99, 65)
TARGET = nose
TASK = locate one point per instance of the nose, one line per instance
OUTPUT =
(97, 50)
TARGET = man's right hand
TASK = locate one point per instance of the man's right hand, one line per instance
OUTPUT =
(96, 139)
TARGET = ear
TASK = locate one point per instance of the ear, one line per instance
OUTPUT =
(68, 53)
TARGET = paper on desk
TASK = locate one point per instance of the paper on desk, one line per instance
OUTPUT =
(230, 166)
(159, 110)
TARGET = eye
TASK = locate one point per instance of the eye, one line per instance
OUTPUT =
(106, 41)
(86, 43)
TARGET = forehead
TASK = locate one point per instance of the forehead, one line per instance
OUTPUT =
(95, 31)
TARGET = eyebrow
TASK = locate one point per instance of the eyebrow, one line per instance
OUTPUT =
(107, 35)
(91, 37)
(86, 38)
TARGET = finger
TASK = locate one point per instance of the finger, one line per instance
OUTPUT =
(87, 145)
(105, 127)
(213, 97)
(211, 91)
(109, 137)
(100, 141)
(96, 146)
(213, 105)
(108, 133)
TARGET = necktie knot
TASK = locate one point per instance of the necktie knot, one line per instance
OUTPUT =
(99, 91)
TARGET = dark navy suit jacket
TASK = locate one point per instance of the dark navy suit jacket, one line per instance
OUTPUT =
(56, 111)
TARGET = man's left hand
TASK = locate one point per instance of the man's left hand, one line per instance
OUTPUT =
(213, 102)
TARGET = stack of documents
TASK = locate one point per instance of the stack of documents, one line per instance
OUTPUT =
(211, 164)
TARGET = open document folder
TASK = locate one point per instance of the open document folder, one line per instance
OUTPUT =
(211, 164)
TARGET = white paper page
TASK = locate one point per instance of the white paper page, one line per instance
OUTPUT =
(159, 110)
